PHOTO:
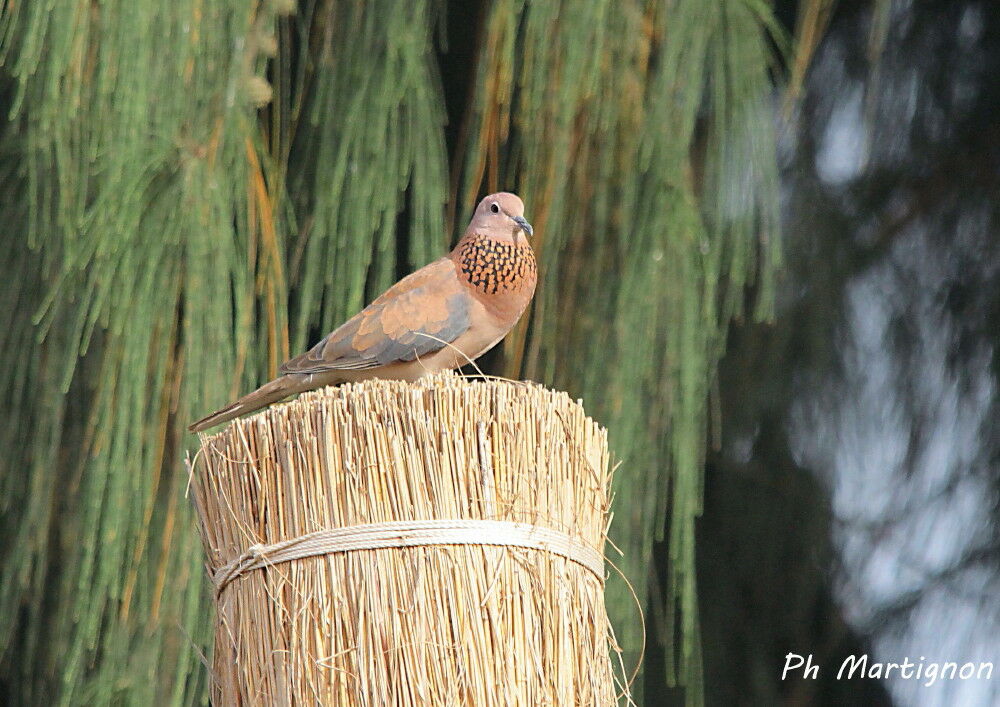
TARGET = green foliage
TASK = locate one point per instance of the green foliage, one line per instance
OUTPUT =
(369, 143)
(132, 153)
(164, 226)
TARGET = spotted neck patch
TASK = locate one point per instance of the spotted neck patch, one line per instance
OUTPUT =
(494, 267)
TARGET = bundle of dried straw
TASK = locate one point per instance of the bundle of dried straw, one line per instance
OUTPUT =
(426, 615)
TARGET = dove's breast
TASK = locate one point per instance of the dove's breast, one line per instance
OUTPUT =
(502, 274)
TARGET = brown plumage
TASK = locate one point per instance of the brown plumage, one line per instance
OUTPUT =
(442, 316)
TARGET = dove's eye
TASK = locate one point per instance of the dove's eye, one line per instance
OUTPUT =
(495, 208)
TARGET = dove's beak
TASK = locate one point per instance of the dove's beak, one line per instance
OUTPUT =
(524, 225)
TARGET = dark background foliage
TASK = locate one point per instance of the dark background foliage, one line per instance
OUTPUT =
(852, 503)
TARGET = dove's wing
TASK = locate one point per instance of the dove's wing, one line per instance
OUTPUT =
(419, 315)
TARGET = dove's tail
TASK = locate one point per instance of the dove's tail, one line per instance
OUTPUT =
(265, 395)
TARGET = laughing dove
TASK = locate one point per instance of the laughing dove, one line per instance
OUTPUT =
(442, 316)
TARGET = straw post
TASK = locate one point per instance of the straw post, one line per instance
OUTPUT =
(436, 542)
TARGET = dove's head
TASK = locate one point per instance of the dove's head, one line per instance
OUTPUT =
(500, 216)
